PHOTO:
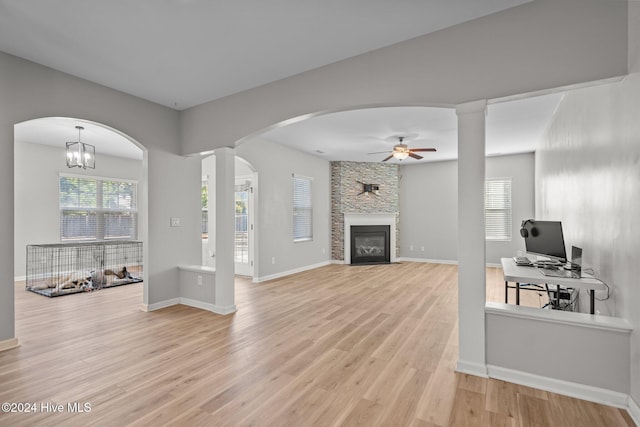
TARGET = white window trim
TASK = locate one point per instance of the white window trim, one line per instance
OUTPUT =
(509, 226)
(134, 210)
(293, 208)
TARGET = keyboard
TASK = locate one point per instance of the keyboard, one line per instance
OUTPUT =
(522, 260)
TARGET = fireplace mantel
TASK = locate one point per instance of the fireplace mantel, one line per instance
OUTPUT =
(369, 219)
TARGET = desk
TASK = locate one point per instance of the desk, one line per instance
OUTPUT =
(520, 274)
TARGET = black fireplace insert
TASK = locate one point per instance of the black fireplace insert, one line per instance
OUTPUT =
(370, 244)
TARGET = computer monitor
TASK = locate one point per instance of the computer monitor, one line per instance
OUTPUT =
(544, 238)
(576, 258)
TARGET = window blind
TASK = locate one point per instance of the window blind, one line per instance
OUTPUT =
(497, 209)
(97, 209)
(302, 209)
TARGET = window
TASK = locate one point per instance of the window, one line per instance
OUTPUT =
(497, 209)
(97, 208)
(302, 209)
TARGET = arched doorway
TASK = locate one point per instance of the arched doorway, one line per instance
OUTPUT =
(246, 212)
(246, 195)
(40, 169)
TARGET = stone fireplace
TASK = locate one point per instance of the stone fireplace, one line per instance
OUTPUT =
(369, 238)
(351, 204)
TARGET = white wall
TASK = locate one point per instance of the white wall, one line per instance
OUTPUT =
(588, 176)
(275, 164)
(37, 214)
(429, 207)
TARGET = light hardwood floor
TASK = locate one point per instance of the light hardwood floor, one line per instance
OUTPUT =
(530, 297)
(338, 345)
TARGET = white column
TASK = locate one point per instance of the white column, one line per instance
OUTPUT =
(225, 230)
(471, 238)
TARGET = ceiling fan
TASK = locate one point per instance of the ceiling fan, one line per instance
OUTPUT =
(401, 151)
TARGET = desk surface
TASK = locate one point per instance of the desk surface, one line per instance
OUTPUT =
(520, 274)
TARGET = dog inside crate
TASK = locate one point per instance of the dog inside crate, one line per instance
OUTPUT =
(66, 268)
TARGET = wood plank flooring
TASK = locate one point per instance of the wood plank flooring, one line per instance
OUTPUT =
(334, 346)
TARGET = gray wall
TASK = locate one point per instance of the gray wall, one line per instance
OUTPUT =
(564, 348)
(429, 207)
(429, 211)
(535, 46)
(522, 171)
(634, 36)
(275, 164)
(588, 176)
(29, 91)
(37, 214)
(539, 45)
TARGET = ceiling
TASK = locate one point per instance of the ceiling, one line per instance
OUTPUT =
(181, 53)
(511, 127)
(56, 131)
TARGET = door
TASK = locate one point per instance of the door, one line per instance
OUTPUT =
(243, 246)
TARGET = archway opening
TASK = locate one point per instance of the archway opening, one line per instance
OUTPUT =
(76, 212)
(246, 251)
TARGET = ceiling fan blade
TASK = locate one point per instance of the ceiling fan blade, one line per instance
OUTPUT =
(388, 158)
(381, 152)
(423, 149)
(415, 156)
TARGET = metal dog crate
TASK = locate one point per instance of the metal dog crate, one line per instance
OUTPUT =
(67, 268)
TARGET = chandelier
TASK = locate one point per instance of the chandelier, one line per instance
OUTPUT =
(81, 155)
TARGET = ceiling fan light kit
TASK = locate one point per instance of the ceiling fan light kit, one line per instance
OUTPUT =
(400, 152)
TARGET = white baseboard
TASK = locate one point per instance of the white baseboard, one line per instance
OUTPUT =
(567, 388)
(224, 310)
(207, 306)
(198, 304)
(634, 411)
(161, 304)
(441, 261)
(20, 279)
(471, 368)
(432, 261)
(9, 344)
(337, 261)
(290, 272)
(191, 303)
